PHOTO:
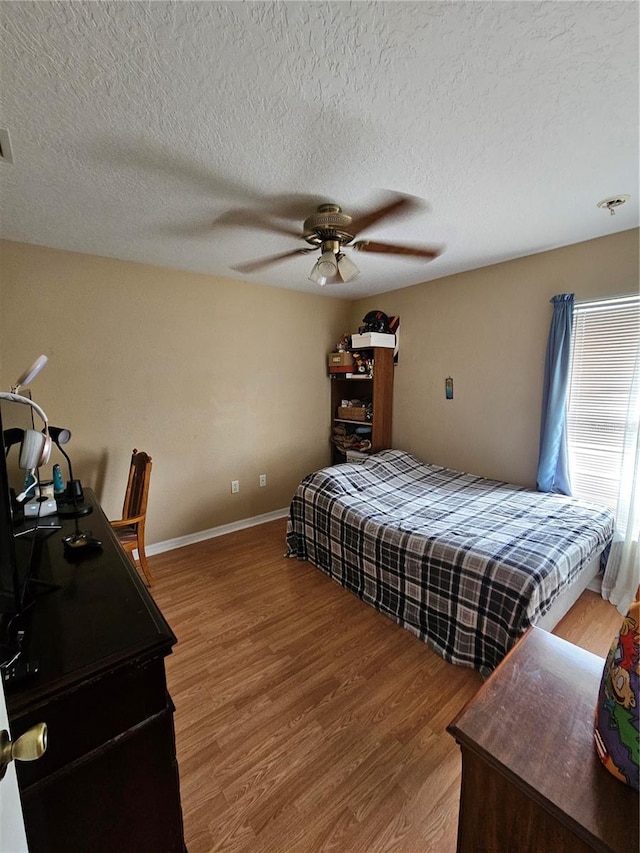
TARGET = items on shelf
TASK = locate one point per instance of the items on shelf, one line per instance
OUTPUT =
(362, 364)
(355, 410)
(351, 413)
(378, 330)
(375, 321)
(340, 363)
(356, 455)
(373, 339)
(374, 389)
(350, 363)
(346, 439)
(340, 359)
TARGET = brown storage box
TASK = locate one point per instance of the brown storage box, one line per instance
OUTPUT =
(340, 359)
(352, 413)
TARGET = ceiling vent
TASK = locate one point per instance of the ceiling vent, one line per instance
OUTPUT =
(6, 154)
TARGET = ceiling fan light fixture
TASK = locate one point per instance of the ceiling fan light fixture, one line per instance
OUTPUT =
(346, 268)
(316, 276)
(327, 264)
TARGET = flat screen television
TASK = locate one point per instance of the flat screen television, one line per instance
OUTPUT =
(10, 592)
(20, 538)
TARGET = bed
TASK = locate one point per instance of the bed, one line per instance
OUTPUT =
(465, 563)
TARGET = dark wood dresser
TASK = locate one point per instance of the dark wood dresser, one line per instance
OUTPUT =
(109, 778)
(531, 779)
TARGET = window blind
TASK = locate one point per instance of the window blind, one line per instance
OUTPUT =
(603, 394)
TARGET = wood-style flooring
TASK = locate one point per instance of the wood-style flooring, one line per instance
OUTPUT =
(306, 720)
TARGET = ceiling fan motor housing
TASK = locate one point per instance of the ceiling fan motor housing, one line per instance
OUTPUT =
(331, 231)
(328, 223)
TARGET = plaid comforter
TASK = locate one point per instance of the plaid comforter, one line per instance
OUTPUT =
(465, 563)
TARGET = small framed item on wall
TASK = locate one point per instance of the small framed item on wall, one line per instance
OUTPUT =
(448, 388)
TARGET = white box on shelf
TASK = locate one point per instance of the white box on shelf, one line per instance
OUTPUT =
(373, 339)
(356, 456)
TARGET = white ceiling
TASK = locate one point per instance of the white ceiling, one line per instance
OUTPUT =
(135, 126)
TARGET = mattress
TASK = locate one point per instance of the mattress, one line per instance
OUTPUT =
(463, 562)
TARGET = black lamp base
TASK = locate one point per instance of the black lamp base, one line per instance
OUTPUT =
(74, 510)
(74, 491)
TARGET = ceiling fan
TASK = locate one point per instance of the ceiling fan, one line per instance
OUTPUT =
(330, 231)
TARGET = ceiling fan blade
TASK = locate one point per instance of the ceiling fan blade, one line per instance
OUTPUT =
(392, 249)
(261, 263)
(251, 219)
(400, 205)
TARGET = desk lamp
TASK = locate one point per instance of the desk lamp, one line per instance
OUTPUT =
(74, 496)
(30, 374)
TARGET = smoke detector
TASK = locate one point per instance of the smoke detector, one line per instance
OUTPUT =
(610, 204)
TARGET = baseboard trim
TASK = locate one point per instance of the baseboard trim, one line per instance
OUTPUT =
(212, 532)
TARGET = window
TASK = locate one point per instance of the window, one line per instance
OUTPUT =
(603, 394)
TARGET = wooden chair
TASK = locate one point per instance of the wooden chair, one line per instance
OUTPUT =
(130, 528)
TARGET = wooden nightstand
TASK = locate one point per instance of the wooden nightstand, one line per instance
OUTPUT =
(531, 779)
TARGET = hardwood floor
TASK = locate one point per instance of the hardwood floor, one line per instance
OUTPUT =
(306, 720)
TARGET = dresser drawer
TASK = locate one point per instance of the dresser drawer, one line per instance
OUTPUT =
(81, 719)
(123, 797)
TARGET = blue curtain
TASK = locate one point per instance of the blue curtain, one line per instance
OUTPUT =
(553, 461)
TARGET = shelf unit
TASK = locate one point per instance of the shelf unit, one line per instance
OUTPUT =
(378, 390)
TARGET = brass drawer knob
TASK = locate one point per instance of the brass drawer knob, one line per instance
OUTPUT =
(28, 747)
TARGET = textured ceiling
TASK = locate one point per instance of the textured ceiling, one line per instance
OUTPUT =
(137, 126)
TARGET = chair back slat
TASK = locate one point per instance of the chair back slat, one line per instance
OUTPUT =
(137, 494)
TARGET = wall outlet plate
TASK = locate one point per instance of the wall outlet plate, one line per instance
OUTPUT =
(235, 487)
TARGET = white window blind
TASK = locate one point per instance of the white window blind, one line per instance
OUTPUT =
(603, 388)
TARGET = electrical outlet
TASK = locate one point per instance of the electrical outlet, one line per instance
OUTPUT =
(262, 480)
(235, 487)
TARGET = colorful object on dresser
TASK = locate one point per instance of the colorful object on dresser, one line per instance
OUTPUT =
(616, 724)
(58, 483)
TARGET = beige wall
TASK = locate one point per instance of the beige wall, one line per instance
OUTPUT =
(222, 380)
(216, 379)
(488, 330)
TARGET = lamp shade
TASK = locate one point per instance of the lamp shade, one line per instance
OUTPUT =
(328, 264)
(59, 435)
(316, 276)
(347, 269)
(30, 373)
